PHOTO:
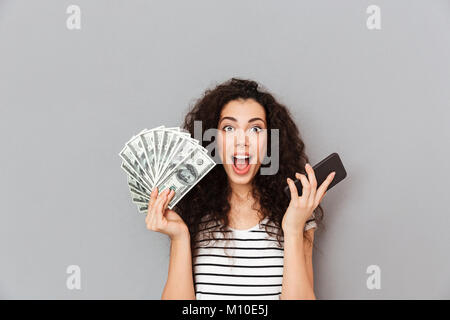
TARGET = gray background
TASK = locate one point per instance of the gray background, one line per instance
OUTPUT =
(70, 100)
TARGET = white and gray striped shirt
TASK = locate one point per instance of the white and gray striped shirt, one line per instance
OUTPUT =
(247, 264)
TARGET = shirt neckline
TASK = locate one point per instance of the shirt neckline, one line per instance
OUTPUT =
(249, 229)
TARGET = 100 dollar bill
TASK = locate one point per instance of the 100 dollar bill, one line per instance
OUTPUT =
(184, 176)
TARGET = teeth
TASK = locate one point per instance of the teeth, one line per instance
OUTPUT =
(241, 157)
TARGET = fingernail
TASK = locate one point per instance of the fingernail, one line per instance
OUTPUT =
(307, 164)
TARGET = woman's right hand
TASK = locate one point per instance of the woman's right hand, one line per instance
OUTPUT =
(164, 220)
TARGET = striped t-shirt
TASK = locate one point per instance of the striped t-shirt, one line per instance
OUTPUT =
(253, 268)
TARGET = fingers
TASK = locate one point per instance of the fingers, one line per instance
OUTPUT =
(170, 196)
(319, 197)
(159, 205)
(312, 182)
(306, 188)
(311, 175)
(323, 195)
(152, 200)
(324, 186)
(153, 196)
(293, 189)
(155, 214)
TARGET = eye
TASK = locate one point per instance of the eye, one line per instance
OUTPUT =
(258, 129)
(226, 127)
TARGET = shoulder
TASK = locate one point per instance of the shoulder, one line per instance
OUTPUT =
(207, 223)
(269, 225)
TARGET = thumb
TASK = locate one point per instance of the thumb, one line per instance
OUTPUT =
(322, 196)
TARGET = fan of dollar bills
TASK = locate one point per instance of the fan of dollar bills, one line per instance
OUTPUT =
(164, 158)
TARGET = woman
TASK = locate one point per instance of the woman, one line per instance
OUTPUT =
(236, 209)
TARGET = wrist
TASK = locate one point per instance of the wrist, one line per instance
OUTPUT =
(296, 231)
(293, 235)
(181, 237)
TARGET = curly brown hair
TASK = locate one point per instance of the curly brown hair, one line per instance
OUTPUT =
(210, 196)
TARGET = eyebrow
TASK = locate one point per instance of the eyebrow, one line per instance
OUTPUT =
(234, 119)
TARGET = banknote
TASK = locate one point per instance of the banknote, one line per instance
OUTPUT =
(128, 157)
(163, 157)
(186, 175)
(183, 149)
(136, 147)
(148, 143)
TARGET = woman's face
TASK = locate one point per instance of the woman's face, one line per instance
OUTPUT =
(242, 139)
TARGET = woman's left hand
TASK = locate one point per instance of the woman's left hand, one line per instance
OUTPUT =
(301, 207)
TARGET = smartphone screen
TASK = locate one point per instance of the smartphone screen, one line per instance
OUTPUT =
(321, 171)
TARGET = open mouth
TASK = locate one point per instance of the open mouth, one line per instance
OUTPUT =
(241, 163)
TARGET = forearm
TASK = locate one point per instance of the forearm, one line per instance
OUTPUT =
(308, 246)
(309, 269)
(296, 279)
(179, 285)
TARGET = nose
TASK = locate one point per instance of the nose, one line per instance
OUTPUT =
(241, 139)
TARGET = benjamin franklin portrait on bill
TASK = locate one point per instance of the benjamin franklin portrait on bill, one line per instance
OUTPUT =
(187, 174)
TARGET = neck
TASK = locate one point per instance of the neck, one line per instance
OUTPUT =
(241, 197)
(241, 192)
(242, 203)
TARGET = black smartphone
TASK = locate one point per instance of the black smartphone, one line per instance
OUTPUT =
(321, 171)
